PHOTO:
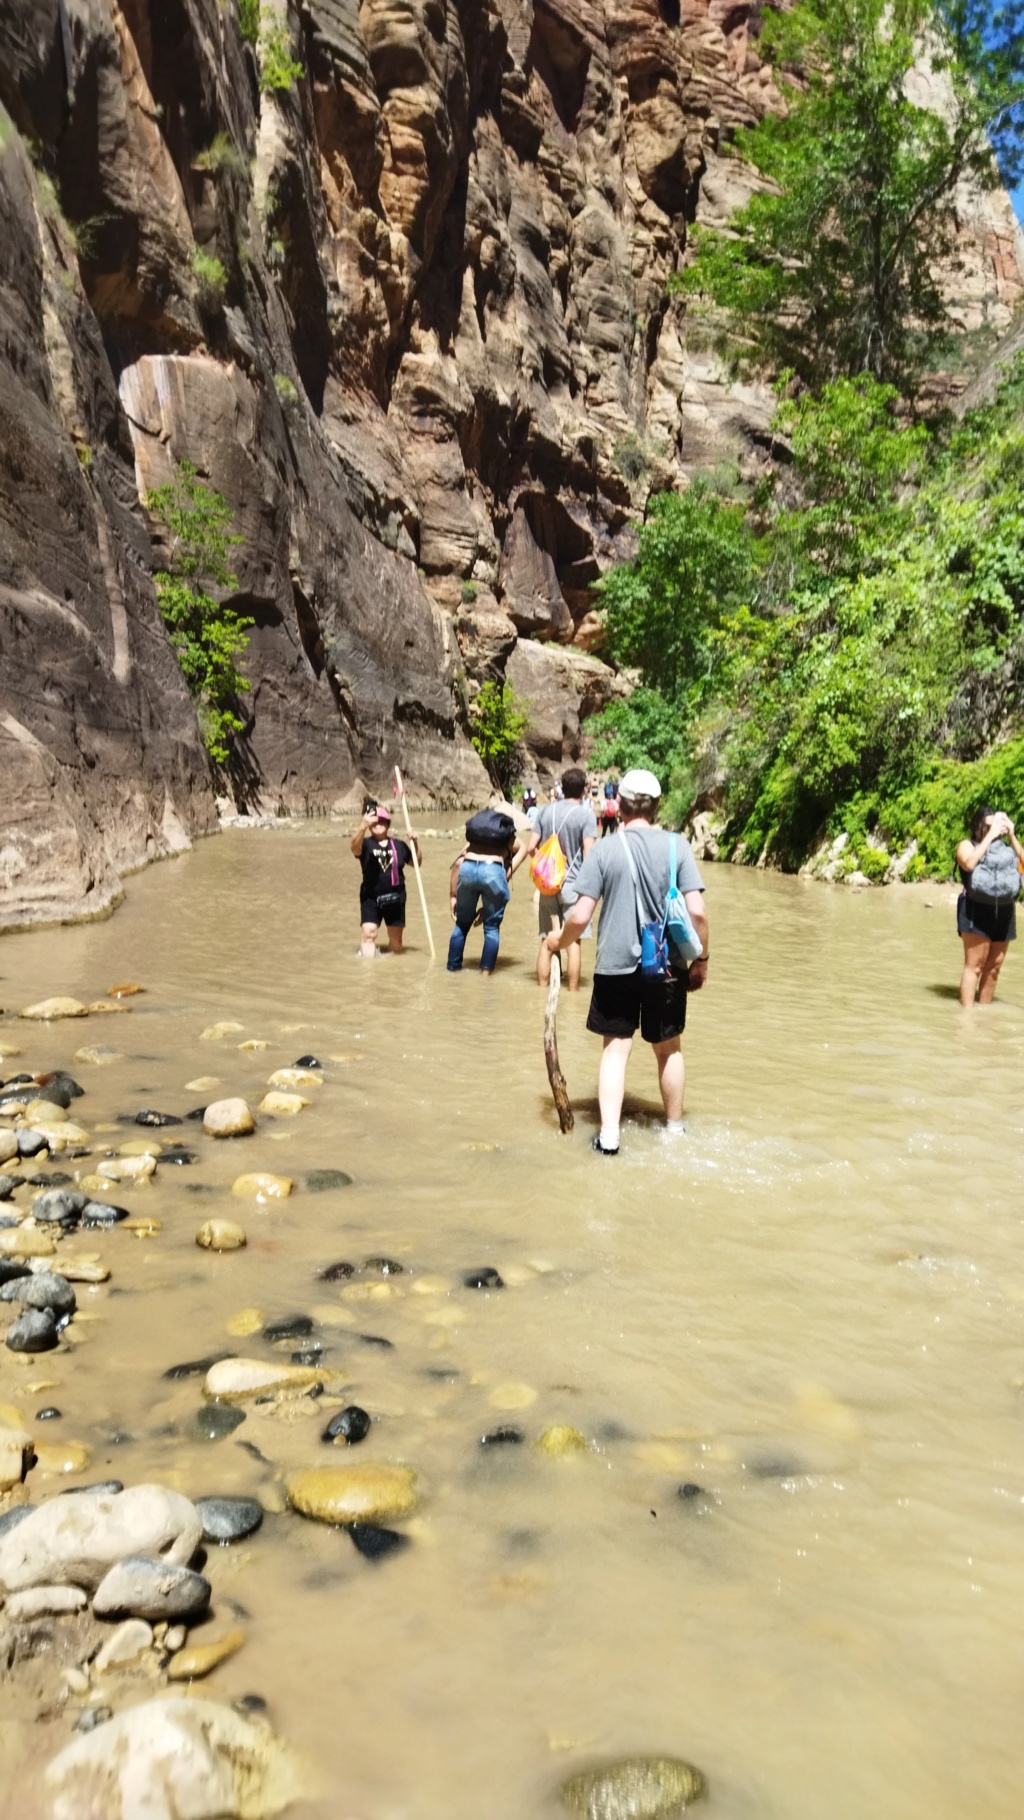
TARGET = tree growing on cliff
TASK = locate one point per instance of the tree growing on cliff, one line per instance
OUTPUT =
(499, 721)
(892, 106)
(208, 636)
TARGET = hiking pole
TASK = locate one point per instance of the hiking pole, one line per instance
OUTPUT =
(558, 1087)
(415, 862)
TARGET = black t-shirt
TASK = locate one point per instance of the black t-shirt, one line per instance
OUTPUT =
(376, 859)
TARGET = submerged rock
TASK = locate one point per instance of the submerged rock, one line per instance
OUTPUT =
(636, 1788)
(214, 1421)
(177, 1759)
(292, 1327)
(124, 1645)
(156, 1119)
(353, 1494)
(319, 1180)
(177, 1153)
(31, 1142)
(103, 1213)
(42, 1289)
(560, 1439)
(376, 1543)
(59, 1206)
(507, 1436)
(220, 1235)
(201, 1658)
(196, 1368)
(239, 1379)
(228, 1118)
(484, 1278)
(336, 1273)
(143, 1586)
(384, 1267)
(76, 1538)
(229, 1519)
(50, 1008)
(282, 1105)
(349, 1425)
(262, 1187)
(34, 1331)
(307, 1061)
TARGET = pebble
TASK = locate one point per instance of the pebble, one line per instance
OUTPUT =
(8, 1183)
(512, 1396)
(304, 1061)
(26, 1242)
(319, 1180)
(127, 989)
(144, 1227)
(353, 1494)
(255, 1045)
(384, 1267)
(141, 1147)
(336, 1273)
(50, 1414)
(124, 1645)
(98, 1055)
(560, 1439)
(220, 1235)
(484, 1278)
(214, 1422)
(245, 1323)
(229, 1519)
(239, 1379)
(30, 1142)
(144, 1586)
(282, 1105)
(92, 1716)
(292, 1327)
(349, 1425)
(205, 1083)
(63, 1456)
(84, 1269)
(157, 1119)
(690, 1490)
(262, 1187)
(12, 1270)
(503, 1437)
(198, 1660)
(173, 1636)
(50, 1008)
(177, 1154)
(75, 1538)
(228, 1118)
(98, 1214)
(127, 1168)
(636, 1788)
(34, 1331)
(42, 1289)
(375, 1542)
(59, 1206)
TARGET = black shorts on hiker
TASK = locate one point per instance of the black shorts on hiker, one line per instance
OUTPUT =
(388, 908)
(996, 922)
(621, 1001)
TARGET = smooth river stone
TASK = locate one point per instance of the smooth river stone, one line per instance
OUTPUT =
(44, 1602)
(101, 1215)
(636, 1788)
(214, 1422)
(220, 1235)
(124, 1645)
(174, 1759)
(62, 1456)
(127, 1168)
(98, 1055)
(26, 1242)
(215, 1033)
(8, 1146)
(374, 1542)
(295, 1077)
(560, 1439)
(15, 1455)
(199, 1659)
(319, 1181)
(59, 1207)
(43, 1111)
(235, 1380)
(282, 1105)
(84, 1269)
(75, 1539)
(349, 1425)
(353, 1494)
(228, 1118)
(229, 1519)
(143, 1586)
(50, 1008)
(43, 1289)
(34, 1331)
(262, 1187)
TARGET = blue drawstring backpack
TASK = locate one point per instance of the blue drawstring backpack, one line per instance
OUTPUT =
(671, 943)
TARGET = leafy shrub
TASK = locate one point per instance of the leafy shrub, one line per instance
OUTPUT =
(630, 457)
(469, 592)
(500, 719)
(211, 280)
(249, 20)
(208, 636)
(222, 156)
(278, 68)
(287, 394)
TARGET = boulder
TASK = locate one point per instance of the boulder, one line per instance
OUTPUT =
(51, 1008)
(262, 1187)
(74, 1540)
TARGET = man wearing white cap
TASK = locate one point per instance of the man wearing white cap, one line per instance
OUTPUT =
(630, 877)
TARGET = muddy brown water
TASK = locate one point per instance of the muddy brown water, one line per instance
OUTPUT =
(812, 1308)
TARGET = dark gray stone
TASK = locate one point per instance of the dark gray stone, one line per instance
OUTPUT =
(50, 1414)
(229, 1519)
(8, 1183)
(293, 1327)
(148, 1117)
(11, 1269)
(318, 1181)
(91, 1716)
(214, 1421)
(143, 1586)
(34, 1331)
(103, 1213)
(30, 1142)
(42, 1289)
(307, 1061)
(376, 1543)
(60, 1206)
(384, 1267)
(351, 1425)
(337, 1273)
(484, 1278)
(196, 1368)
(506, 1436)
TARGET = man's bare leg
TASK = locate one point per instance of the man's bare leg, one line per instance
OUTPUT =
(544, 957)
(611, 1087)
(671, 1077)
(574, 962)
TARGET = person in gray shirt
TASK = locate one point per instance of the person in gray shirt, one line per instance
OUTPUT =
(616, 873)
(574, 822)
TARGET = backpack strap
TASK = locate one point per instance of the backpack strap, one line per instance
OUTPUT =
(636, 881)
(673, 873)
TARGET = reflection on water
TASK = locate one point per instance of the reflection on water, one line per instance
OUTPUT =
(811, 1308)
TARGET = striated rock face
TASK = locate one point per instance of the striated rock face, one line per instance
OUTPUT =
(437, 379)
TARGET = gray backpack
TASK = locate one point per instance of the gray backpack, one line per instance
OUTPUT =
(995, 879)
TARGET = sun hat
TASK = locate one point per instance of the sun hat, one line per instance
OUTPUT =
(639, 783)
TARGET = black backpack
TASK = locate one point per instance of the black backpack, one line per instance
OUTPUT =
(490, 831)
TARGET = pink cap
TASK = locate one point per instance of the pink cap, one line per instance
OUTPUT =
(381, 814)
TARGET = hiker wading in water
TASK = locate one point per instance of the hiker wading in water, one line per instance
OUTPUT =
(986, 911)
(382, 891)
(572, 821)
(629, 876)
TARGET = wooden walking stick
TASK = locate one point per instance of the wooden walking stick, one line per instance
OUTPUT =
(555, 1075)
(416, 863)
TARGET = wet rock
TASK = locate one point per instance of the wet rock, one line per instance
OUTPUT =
(54, 1178)
(74, 1539)
(353, 1494)
(8, 1183)
(307, 1061)
(127, 989)
(62, 1456)
(308, 1355)
(220, 1235)
(201, 1658)
(775, 1466)
(59, 1207)
(214, 1421)
(215, 1033)
(229, 1519)
(144, 1586)
(336, 1273)
(560, 1439)
(11, 1518)
(349, 1425)
(156, 1119)
(8, 1146)
(92, 1716)
(240, 1379)
(44, 1602)
(280, 1105)
(636, 1788)
(34, 1331)
(506, 1436)
(294, 1078)
(26, 1242)
(247, 1321)
(376, 1339)
(50, 1414)
(30, 1142)
(50, 1008)
(318, 1181)
(125, 1645)
(179, 1759)
(228, 1118)
(127, 1168)
(177, 1154)
(11, 1270)
(263, 1187)
(100, 1214)
(384, 1267)
(16, 1452)
(689, 1490)
(293, 1327)
(104, 1488)
(375, 1542)
(98, 1055)
(250, 1703)
(43, 1289)
(484, 1278)
(196, 1368)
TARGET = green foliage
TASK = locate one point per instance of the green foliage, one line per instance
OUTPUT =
(211, 280)
(469, 592)
(287, 394)
(500, 719)
(278, 68)
(645, 730)
(208, 637)
(831, 270)
(84, 452)
(222, 157)
(249, 20)
(630, 457)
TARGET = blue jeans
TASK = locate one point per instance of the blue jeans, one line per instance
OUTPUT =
(481, 882)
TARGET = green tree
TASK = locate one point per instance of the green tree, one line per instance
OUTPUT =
(832, 269)
(500, 719)
(208, 636)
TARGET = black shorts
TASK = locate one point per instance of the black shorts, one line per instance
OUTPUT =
(996, 922)
(621, 1001)
(388, 908)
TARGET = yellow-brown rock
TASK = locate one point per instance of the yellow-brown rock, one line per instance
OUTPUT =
(197, 1659)
(560, 1439)
(127, 1168)
(282, 1105)
(295, 1077)
(51, 1008)
(262, 1187)
(220, 1235)
(228, 1118)
(26, 1242)
(63, 1456)
(15, 1456)
(234, 1380)
(127, 990)
(364, 1493)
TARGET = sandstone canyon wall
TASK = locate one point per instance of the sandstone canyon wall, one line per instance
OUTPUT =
(438, 383)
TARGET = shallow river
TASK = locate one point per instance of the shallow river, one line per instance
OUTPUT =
(812, 1308)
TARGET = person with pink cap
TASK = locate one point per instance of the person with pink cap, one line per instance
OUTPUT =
(382, 891)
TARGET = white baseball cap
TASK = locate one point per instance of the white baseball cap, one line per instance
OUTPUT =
(639, 783)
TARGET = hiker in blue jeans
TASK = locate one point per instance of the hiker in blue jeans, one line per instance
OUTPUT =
(480, 886)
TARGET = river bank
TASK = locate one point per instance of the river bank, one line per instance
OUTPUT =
(804, 1312)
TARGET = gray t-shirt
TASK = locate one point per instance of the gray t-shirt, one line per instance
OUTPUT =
(605, 873)
(573, 822)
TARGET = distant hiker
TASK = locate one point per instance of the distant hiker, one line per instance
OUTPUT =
(572, 823)
(530, 809)
(382, 891)
(480, 886)
(986, 915)
(630, 877)
(609, 809)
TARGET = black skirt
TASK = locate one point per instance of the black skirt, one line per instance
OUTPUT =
(996, 922)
